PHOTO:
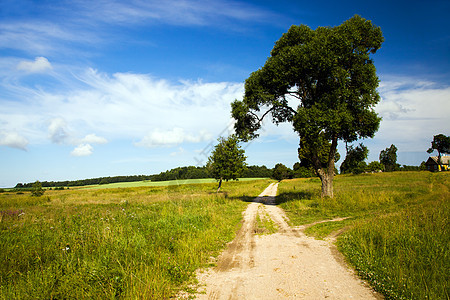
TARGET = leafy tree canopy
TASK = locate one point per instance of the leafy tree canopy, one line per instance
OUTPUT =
(440, 143)
(388, 157)
(227, 160)
(354, 158)
(281, 172)
(37, 190)
(375, 166)
(324, 82)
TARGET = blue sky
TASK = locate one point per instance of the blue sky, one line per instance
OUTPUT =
(105, 88)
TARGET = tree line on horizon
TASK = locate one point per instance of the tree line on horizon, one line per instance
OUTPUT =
(179, 173)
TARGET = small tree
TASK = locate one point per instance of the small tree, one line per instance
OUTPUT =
(388, 157)
(354, 160)
(37, 190)
(227, 160)
(440, 143)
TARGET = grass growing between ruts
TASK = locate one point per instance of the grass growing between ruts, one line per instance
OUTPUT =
(398, 235)
(140, 243)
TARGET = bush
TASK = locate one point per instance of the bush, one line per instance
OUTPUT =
(37, 190)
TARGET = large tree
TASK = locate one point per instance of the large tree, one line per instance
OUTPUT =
(440, 143)
(227, 160)
(324, 82)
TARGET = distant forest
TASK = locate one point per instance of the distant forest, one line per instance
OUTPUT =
(190, 172)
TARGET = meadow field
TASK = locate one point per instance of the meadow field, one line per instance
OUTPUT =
(397, 235)
(158, 183)
(146, 242)
(139, 243)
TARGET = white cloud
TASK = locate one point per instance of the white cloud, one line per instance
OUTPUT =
(82, 150)
(413, 111)
(57, 130)
(93, 139)
(170, 138)
(39, 65)
(13, 140)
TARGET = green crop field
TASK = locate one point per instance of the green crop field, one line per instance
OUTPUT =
(397, 235)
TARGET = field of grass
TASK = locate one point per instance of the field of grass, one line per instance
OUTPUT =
(129, 242)
(397, 236)
(159, 183)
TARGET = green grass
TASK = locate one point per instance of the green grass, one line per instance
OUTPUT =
(397, 236)
(263, 223)
(139, 243)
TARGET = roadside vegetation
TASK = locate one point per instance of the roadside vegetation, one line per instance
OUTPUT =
(397, 234)
(139, 243)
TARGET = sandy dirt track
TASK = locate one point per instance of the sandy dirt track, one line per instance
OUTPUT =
(284, 265)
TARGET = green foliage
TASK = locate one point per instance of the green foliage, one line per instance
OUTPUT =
(257, 172)
(440, 143)
(397, 235)
(37, 190)
(354, 160)
(330, 72)
(227, 160)
(190, 172)
(388, 158)
(281, 172)
(303, 171)
(375, 166)
(128, 243)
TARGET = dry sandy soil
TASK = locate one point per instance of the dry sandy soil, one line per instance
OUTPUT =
(284, 265)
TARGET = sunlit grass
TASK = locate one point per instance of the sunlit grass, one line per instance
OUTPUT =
(397, 235)
(139, 243)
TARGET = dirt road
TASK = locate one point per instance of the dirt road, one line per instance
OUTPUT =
(284, 265)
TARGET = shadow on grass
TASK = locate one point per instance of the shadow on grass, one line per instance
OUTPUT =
(294, 195)
(279, 199)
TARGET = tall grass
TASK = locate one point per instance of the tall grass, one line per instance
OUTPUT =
(140, 243)
(398, 237)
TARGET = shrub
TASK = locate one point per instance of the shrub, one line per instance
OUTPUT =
(37, 190)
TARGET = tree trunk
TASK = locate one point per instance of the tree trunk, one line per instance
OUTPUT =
(327, 175)
(327, 185)
(220, 184)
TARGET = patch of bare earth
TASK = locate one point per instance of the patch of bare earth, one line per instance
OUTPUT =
(284, 265)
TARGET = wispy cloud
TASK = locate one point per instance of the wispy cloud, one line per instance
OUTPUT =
(175, 12)
(71, 26)
(146, 111)
(37, 37)
(413, 110)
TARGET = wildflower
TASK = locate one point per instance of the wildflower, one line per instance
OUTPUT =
(67, 248)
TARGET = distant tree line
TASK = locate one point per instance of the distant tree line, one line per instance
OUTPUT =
(179, 173)
(84, 182)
